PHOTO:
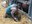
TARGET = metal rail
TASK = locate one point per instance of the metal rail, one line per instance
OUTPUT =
(30, 9)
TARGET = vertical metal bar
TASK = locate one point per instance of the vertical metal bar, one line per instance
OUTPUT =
(29, 8)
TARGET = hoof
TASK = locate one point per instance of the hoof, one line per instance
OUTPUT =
(5, 16)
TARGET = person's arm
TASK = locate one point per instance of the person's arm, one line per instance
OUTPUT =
(12, 13)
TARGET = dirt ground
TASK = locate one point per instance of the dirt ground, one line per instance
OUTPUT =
(24, 19)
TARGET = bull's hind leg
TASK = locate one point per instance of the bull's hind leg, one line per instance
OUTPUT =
(19, 18)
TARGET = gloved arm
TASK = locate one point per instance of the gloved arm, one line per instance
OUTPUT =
(12, 13)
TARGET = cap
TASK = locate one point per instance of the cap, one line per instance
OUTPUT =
(14, 5)
(4, 2)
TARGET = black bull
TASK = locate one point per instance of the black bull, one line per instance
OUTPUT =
(20, 13)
